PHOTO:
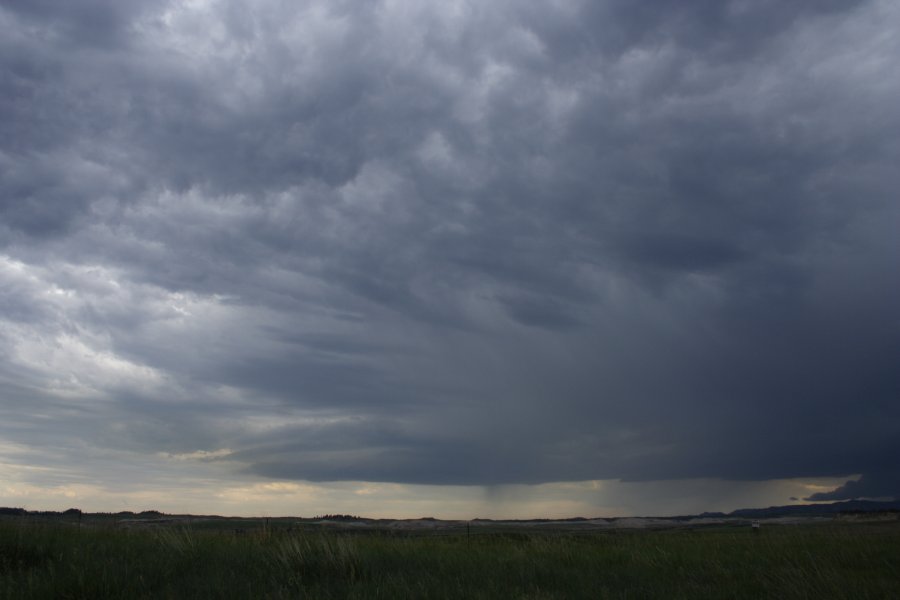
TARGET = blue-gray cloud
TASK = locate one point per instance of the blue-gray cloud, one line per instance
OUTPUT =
(454, 244)
(879, 484)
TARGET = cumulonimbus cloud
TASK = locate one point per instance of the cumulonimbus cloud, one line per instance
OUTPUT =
(454, 243)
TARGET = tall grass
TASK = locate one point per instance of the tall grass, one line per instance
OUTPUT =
(60, 561)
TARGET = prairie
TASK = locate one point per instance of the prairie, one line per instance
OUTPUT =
(102, 558)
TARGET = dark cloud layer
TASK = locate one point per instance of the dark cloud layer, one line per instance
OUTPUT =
(884, 484)
(455, 243)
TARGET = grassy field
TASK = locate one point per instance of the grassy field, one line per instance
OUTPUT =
(43, 559)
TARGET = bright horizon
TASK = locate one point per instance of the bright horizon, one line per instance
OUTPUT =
(396, 501)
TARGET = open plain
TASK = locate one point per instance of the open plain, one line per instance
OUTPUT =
(162, 556)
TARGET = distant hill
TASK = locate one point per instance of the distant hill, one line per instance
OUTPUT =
(812, 510)
(792, 510)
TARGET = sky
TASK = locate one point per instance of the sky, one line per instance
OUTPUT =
(405, 258)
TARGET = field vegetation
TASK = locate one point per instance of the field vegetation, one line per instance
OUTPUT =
(102, 559)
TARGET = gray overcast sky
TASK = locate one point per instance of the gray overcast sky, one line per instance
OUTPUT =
(605, 255)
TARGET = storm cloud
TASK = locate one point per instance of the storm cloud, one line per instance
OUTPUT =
(871, 485)
(453, 243)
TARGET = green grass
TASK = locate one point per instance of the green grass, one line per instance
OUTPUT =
(59, 560)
